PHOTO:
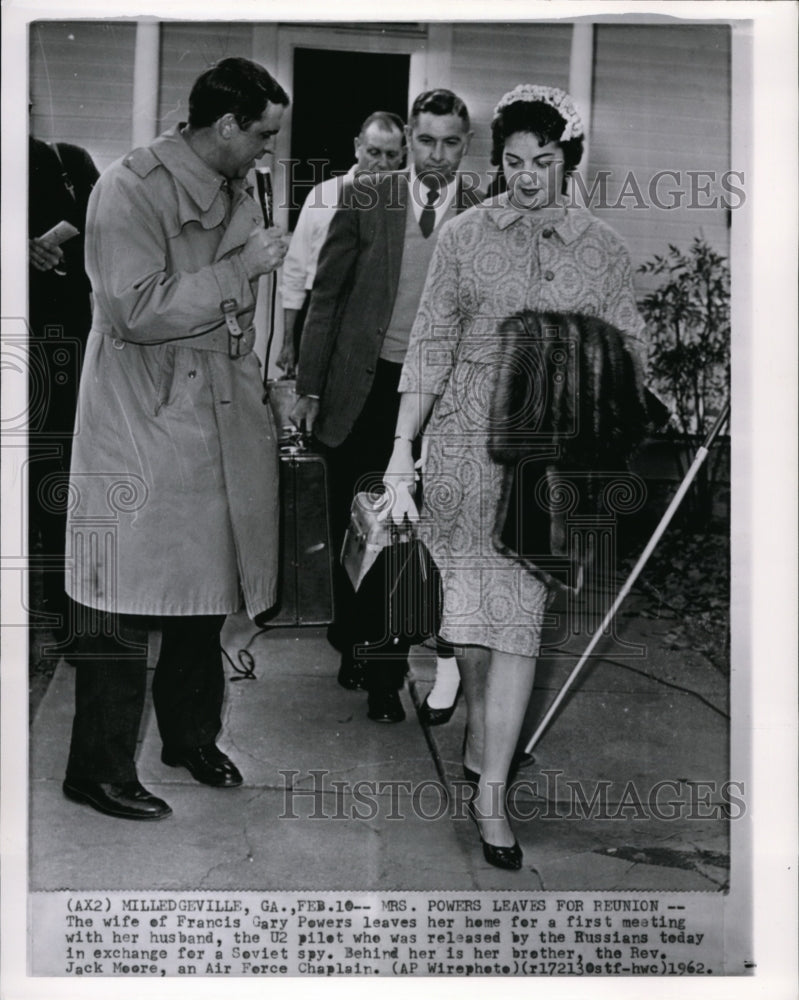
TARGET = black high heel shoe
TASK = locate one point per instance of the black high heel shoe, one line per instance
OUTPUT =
(429, 716)
(509, 858)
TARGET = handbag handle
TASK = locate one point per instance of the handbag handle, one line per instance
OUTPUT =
(398, 535)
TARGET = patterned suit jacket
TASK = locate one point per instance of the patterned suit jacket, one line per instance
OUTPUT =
(353, 298)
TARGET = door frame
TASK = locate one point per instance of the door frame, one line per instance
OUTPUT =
(376, 40)
(430, 51)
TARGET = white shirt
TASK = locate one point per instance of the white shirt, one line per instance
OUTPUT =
(299, 265)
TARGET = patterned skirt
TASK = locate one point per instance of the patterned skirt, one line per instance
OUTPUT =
(490, 599)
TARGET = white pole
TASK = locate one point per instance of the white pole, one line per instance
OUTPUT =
(144, 126)
(581, 78)
(701, 455)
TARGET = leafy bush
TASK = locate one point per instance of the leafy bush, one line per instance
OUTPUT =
(688, 317)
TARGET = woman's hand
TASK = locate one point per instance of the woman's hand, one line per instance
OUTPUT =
(422, 460)
(400, 483)
(401, 505)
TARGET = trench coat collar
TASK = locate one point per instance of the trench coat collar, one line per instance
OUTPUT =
(571, 224)
(201, 182)
(200, 192)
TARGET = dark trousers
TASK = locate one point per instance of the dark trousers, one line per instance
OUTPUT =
(110, 661)
(59, 326)
(358, 465)
(48, 475)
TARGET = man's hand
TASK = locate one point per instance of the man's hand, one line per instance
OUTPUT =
(264, 251)
(44, 255)
(286, 360)
(305, 412)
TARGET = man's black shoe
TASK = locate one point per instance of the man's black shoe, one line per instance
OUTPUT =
(207, 764)
(385, 706)
(129, 800)
(351, 673)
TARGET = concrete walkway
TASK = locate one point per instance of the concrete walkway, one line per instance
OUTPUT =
(334, 801)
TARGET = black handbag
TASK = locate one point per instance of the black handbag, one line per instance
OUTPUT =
(399, 600)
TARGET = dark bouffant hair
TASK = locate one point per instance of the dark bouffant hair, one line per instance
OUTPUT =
(538, 119)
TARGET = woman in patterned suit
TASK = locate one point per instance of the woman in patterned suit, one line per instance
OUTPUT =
(522, 250)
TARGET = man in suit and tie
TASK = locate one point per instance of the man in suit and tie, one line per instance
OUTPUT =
(369, 281)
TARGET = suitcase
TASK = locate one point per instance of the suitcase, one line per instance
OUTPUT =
(306, 557)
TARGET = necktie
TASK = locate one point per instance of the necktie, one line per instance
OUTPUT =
(427, 220)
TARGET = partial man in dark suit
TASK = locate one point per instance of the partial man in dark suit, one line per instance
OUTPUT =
(369, 280)
(61, 178)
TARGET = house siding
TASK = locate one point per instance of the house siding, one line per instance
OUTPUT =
(490, 59)
(81, 85)
(187, 49)
(660, 100)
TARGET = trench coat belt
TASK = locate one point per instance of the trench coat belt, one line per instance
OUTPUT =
(215, 340)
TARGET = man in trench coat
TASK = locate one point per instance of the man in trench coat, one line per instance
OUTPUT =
(173, 486)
